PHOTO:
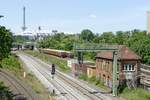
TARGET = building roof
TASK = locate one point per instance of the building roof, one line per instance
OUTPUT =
(124, 53)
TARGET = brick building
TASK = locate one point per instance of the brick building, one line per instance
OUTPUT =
(128, 62)
(91, 71)
(81, 68)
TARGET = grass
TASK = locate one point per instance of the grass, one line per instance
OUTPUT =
(135, 94)
(37, 86)
(93, 80)
(61, 63)
(126, 94)
(11, 63)
(15, 66)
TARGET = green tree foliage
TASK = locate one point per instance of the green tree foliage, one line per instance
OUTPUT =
(121, 37)
(59, 41)
(20, 39)
(5, 42)
(5, 93)
(107, 37)
(87, 35)
(138, 41)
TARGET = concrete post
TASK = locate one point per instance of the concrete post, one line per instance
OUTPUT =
(114, 90)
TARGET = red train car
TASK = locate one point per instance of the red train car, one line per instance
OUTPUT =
(58, 53)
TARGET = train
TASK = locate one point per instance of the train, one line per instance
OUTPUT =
(58, 53)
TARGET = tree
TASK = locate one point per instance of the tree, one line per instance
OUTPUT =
(107, 37)
(87, 35)
(96, 38)
(5, 42)
(140, 43)
(21, 39)
(121, 37)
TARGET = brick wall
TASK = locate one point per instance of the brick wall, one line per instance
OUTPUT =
(104, 70)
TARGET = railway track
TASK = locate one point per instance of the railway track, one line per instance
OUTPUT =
(64, 90)
(20, 92)
(75, 83)
(59, 86)
(87, 92)
(77, 86)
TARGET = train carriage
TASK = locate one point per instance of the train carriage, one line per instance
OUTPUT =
(58, 53)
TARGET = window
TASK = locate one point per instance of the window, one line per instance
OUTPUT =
(128, 67)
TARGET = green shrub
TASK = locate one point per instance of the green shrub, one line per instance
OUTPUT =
(11, 63)
(5, 92)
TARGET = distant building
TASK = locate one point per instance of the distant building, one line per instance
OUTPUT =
(128, 66)
(78, 69)
(148, 22)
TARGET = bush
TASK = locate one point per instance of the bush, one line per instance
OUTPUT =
(11, 63)
(5, 93)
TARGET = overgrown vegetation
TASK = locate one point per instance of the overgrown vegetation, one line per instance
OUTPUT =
(5, 42)
(62, 64)
(93, 80)
(5, 93)
(138, 41)
(21, 39)
(135, 94)
(11, 63)
(127, 94)
(14, 65)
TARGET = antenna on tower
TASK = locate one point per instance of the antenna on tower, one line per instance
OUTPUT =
(24, 19)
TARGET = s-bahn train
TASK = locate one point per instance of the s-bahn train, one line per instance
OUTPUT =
(58, 53)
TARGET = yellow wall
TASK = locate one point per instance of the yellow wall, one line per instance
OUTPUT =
(91, 72)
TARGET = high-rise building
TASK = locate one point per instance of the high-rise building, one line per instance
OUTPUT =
(148, 22)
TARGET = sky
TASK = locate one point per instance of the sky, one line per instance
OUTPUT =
(75, 15)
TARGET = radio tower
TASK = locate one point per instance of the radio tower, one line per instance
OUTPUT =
(24, 19)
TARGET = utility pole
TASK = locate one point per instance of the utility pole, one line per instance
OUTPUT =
(24, 19)
(115, 75)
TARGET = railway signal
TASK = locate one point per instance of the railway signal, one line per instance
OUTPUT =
(53, 70)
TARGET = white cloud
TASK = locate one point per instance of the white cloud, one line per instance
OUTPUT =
(92, 16)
